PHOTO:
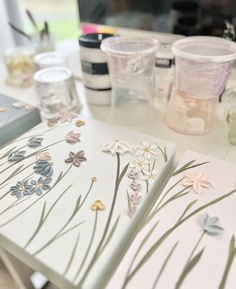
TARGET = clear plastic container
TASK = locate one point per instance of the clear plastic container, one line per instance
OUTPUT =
(131, 63)
(230, 105)
(202, 68)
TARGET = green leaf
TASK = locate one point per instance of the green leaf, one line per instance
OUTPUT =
(72, 255)
(189, 206)
(188, 268)
(188, 166)
(123, 172)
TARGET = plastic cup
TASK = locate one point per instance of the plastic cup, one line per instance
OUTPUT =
(202, 67)
(131, 63)
(229, 99)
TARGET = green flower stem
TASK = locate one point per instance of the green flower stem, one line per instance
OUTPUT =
(72, 255)
(60, 231)
(89, 247)
(61, 176)
(44, 218)
(183, 273)
(8, 152)
(229, 263)
(156, 245)
(14, 204)
(119, 178)
(164, 265)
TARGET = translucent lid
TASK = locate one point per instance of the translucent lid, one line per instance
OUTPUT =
(205, 48)
(52, 75)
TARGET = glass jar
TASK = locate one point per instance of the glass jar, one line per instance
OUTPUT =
(230, 107)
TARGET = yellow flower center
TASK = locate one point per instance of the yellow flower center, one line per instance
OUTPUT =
(146, 149)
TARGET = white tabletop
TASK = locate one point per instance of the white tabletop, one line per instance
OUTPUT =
(215, 144)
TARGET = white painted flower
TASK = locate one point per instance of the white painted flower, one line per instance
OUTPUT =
(150, 175)
(197, 180)
(146, 150)
(139, 163)
(117, 146)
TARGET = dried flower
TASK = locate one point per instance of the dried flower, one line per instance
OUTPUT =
(20, 189)
(35, 142)
(210, 225)
(16, 156)
(76, 158)
(80, 123)
(40, 185)
(150, 175)
(44, 168)
(139, 163)
(52, 122)
(197, 180)
(93, 179)
(43, 156)
(146, 150)
(135, 199)
(72, 137)
(98, 206)
(117, 146)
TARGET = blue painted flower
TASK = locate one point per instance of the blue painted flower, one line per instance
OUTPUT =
(40, 185)
(210, 225)
(20, 189)
(16, 156)
(44, 168)
(35, 142)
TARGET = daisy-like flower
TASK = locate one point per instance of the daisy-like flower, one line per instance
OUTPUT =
(43, 156)
(98, 206)
(34, 142)
(117, 146)
(44, 168)
(139, 163)
(197, 180)
(210, 225)
(20, 189)
(72, 137)
(66, 116)
(146, 150)
(76, 158)
(149, 175)
(40, 185)
(16, 156)
(133, 174)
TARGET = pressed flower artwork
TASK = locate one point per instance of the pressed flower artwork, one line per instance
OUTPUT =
(197, 180)
(76, 158)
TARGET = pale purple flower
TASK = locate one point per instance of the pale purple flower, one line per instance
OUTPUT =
(66, 116)
(133, 174)
(131, 211)
(135, 186)
(76, 158)
(135, 199)
(72, 137)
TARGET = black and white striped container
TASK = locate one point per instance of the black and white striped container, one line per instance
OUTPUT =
(96, 77)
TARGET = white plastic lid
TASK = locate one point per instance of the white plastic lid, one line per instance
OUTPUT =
(49, 58)
(52, 75)
(205, 48)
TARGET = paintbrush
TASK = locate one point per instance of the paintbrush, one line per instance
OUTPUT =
(32, 20)
(18, 30)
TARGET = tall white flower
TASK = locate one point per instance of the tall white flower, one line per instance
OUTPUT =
(146, 150)
(150, 175)
(117, 146)
(139, 163)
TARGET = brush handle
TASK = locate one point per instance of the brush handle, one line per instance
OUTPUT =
(32, 20)
(18, 30)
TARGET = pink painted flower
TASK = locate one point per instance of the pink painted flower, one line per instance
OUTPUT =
(133, 174)
(135, 186)
(43, 156)
(72, 137)
(131, 211)
(197, 180)
(76, 158)
(66, 116)
(135, 199)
